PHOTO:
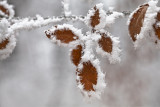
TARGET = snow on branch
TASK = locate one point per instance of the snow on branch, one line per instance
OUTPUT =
(28, 23)
(143, 25)
(39, 21)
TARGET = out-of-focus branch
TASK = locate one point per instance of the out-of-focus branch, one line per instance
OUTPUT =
(126, 13)
(66, 11)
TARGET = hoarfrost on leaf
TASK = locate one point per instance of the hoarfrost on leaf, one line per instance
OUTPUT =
(96, 17)
(6, 10)
(146, 30)
(65, 35)
(7, 39)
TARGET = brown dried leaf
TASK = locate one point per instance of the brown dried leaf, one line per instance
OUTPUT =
(64, 35)
(3, 44)
(136, 22)
(106, 43)
(4, 10)
(76, 55)
(157, 28)
(95, 19)
(88, 76)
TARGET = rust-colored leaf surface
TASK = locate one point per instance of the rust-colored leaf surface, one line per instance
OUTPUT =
(4, 10)
(157, 28)
(95, 19)
(64, 35)
(88, 76)
(3, 44)
(76, 55)
(106, 43)
(137, 20)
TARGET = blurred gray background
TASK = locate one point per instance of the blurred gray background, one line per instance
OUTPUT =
(40, 74)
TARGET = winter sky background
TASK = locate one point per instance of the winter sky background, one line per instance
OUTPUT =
(40, 74)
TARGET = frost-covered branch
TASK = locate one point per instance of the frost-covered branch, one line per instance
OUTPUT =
(39, 21)
(32, 23)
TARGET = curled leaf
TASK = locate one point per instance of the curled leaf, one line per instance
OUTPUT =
(105, 43)
(88, 76)
(76, 55)
(136, 21)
